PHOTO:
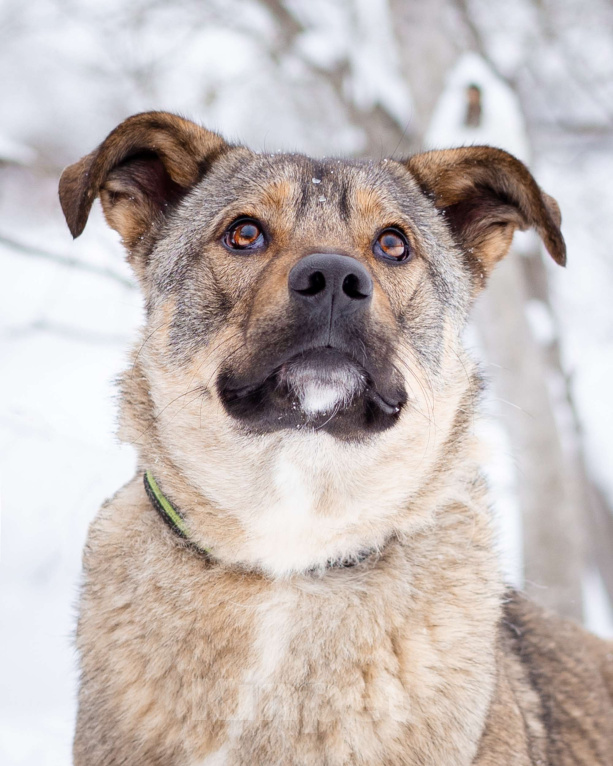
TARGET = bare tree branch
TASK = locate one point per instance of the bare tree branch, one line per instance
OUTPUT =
(477, 40)
(288, 25)
(66, 261)
(66, 331)
(384, 135)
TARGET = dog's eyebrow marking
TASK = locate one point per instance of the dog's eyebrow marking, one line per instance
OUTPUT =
(367, 201)
(279, 192)
(343, 201)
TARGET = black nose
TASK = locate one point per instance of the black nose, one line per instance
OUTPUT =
(328, 279)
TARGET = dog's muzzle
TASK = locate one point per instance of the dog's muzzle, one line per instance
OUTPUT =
(327, 365)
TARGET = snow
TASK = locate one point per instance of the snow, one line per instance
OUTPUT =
(541, 322)
(598, 611)
(374, 62)
(63, 339)
(13, 151)
(362, 33)
(502, 124)
(582, 293)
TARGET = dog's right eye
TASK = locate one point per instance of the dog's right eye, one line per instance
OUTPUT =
(244, 234)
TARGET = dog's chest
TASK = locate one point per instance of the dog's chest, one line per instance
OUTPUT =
(340, 680)
(381, 664)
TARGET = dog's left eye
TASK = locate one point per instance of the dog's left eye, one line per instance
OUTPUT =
(245, 234)
(392, 245)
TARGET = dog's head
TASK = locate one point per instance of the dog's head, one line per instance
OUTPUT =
(305, 298)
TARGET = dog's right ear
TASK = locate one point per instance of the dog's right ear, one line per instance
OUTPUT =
(144, 167)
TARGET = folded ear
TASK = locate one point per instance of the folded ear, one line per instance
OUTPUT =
(485, 194)
(140, 171)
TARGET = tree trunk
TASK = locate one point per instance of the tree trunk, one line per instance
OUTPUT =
(549, 482)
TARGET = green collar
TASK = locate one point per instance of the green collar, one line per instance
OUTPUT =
(177, 523)
(167, 511)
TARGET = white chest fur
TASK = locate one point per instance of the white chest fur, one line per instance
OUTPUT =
(315, 510)
(363, 668)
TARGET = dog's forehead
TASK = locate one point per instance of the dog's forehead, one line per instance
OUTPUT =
(306, 189)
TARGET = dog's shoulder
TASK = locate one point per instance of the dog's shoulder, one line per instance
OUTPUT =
(571, 673)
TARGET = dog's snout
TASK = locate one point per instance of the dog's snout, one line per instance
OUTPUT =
(339, 281)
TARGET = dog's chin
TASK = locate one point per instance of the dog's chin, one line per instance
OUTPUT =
(321, 389)
(321, 383)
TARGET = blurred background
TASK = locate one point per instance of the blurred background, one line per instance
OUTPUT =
(327, 77)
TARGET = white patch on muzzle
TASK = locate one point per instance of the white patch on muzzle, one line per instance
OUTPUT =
(321, 391)
(316, 399)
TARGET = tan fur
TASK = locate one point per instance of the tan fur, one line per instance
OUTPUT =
(259, 652)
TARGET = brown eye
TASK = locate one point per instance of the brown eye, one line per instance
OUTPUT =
(244, 235)
(392, 245)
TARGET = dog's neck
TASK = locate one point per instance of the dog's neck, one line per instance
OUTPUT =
(290, 502)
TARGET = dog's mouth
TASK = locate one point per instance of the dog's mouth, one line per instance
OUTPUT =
(320, 388)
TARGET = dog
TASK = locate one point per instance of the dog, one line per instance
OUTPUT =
(325, 588)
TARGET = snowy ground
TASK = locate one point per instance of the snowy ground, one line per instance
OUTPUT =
(63, 339)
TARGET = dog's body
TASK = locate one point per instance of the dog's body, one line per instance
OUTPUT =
(302, 398)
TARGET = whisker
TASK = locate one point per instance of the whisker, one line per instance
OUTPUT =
(199, 388)
(427, 394)
(142, 346)
(157, 417)
(215, 371)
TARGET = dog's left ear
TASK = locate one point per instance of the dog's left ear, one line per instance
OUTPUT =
(144, 167)
(485, 194)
